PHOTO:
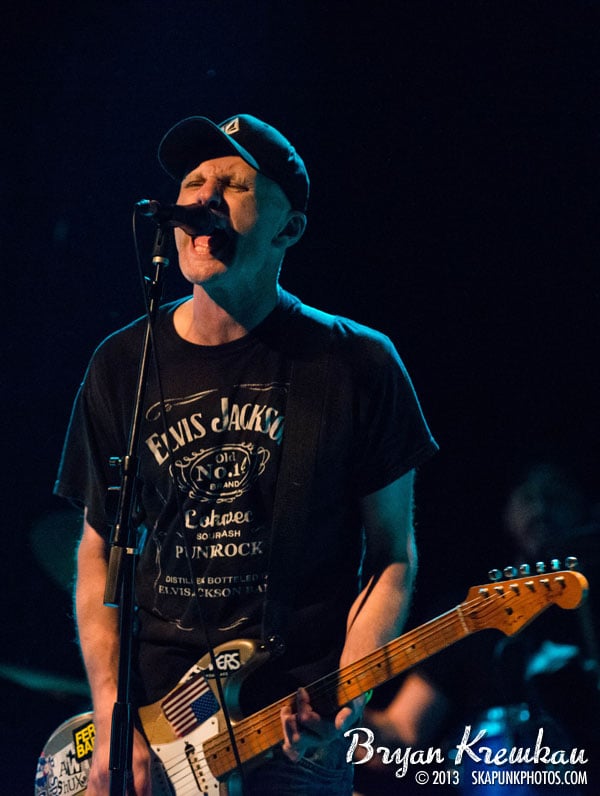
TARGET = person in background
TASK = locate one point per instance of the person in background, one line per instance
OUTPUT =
(545, 676)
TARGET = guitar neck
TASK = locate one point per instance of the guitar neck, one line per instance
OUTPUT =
(261, 731)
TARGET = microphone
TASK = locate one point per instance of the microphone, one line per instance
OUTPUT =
(193, 219)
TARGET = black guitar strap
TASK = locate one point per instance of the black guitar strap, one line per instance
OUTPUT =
(309, 344)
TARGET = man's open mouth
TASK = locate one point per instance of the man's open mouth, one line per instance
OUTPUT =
(217, 240)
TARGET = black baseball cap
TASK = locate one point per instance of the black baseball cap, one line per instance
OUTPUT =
(196, 139)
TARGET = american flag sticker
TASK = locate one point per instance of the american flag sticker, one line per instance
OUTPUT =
(190, 704)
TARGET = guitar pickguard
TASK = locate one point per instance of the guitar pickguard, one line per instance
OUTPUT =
(184, 763)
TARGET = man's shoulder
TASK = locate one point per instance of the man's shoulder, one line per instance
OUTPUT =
(347, 333)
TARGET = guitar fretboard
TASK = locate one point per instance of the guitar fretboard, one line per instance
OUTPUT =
(261, 731)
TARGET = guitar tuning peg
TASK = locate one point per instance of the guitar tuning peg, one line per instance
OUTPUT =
(524, 569)
(571, 562)
(510, 572)
(540, 567)
(555, 565)
(494, 574)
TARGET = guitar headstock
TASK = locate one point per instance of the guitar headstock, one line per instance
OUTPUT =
(509, 605)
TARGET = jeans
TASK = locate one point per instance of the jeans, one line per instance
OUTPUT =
(323, 772)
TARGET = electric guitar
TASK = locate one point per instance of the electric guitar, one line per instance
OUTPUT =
(191, 746)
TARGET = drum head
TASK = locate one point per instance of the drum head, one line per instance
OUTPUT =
(64, 764)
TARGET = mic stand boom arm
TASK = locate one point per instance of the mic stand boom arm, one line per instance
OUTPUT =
(120, 590)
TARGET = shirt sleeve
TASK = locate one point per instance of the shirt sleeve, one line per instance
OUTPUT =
(94, 436)
(393, 436)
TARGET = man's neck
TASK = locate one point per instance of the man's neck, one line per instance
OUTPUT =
(205, 320)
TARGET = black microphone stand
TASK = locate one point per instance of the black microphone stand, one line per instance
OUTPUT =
(120, 580)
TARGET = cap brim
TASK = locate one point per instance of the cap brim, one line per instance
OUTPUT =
(194, 140)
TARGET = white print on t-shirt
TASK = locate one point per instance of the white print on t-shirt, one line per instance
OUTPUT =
(221, 474)
(260, 418)
(216, 448)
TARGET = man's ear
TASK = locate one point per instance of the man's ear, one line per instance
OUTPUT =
(292, 230)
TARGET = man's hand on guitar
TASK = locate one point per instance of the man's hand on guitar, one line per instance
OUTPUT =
(304, 729)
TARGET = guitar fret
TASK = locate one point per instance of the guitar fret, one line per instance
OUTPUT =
(262, 731)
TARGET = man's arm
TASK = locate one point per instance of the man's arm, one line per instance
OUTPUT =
(378, 613)
(98, 628)
(380, 610)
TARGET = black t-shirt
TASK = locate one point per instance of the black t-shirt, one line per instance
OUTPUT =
(208, 467)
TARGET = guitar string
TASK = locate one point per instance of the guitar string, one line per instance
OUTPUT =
(264, 727)
(269, 717)
(181, 771)
(266, 722)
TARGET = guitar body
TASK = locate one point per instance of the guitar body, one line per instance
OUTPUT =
(191, 745)
(178, 763)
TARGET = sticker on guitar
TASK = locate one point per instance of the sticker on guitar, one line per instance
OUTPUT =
(191, 746)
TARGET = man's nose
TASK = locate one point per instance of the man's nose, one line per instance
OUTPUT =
(210, 193)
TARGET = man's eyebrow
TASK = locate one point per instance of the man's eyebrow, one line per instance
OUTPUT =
(221, 175)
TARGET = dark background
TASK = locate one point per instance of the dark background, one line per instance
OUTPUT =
(453, 154)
